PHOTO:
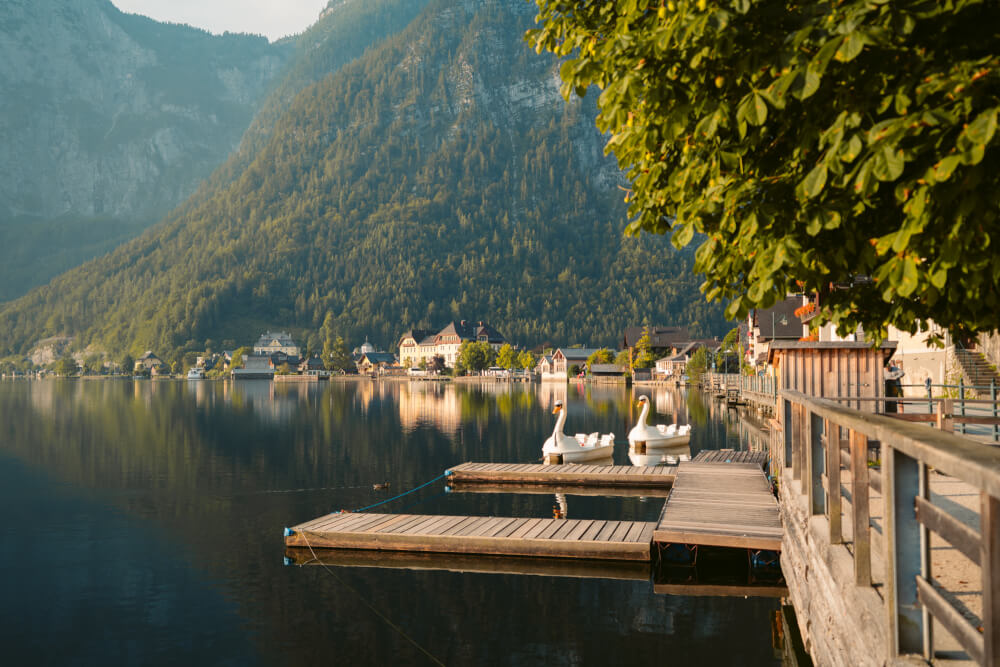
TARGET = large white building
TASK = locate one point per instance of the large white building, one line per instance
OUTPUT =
(419, 345)
(269, 343)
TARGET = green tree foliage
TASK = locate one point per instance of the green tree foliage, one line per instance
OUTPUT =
(807, 146)
(391, 197)
(697, 364)
(506, 356)
(622, 359)
(643, 354)
(727, 358)
(66, 366)
(602, 356)
(339, 357)
(475, 356)
(526, 360)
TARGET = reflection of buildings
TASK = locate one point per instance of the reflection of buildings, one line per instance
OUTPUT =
(430, 403)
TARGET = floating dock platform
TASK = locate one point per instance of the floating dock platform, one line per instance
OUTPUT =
(720, 505)
(566, 474)
(723, 503)
(505, 536)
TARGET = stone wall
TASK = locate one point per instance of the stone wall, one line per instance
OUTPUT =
(840, 623)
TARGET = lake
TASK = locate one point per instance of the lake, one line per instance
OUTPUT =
(141, 524)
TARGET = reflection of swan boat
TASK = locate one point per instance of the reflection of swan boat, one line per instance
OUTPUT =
(643, 437)
(579, 448)
(657, 457)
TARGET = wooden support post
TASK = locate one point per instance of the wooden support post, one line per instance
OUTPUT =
(832, 432)
(989, 528)
(796, 441)
(814, 463)
(859, 507)
(945, 409)
(786, 423)
(900, 485)
(925, 563)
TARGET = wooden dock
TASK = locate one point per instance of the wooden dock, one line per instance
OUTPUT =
(564, 475)
(731, 456)
(503, 536)
(722, 505)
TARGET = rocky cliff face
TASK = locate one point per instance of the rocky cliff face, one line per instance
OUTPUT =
(110, 120)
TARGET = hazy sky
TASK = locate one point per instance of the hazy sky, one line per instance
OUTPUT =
(273, 18)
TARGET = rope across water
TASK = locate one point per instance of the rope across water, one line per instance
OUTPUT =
(446, 473)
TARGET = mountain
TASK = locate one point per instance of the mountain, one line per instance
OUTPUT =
(438, 176)
(108, 121)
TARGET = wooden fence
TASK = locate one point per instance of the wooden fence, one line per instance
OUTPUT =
(822, 436)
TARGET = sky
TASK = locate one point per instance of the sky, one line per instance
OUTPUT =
(273, 18)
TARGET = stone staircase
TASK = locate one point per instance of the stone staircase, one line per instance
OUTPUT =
(976, 370)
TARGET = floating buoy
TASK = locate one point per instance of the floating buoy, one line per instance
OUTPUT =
(380, 486)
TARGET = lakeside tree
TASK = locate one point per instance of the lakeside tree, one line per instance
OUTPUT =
(643, 353)
(727, 358)
(474, 356)
(506, 356)
(697, 364)
(602, 356)
(65, 366)
(526, 360)
(622, 359)
(336, 355)
(847, 148)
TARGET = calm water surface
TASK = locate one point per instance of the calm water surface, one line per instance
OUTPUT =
(141, 523)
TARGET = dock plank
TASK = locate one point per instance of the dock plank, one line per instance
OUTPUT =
(569, 474)
(504, 536)
(720, 504)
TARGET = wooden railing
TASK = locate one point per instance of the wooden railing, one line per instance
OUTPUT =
(821, 436)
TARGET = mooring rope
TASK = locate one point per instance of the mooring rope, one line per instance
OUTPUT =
(365, 602)
(446, 473)
(317, 488)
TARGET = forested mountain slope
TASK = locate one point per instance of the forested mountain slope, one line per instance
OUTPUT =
(439, 176)
(108, 121)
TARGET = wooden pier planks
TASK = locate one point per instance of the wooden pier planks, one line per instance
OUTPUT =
(496, 536)
(731, 456)
(567, 474)
(724, 505)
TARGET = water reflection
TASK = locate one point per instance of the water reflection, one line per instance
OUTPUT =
(167, 499)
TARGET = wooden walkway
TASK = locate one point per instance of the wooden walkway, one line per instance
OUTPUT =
(503, 536)
(731, 456)
(723, 505)
(567, 474)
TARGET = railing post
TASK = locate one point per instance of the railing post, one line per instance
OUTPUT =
(930, 399)
(786, 423)
(925, 563)
(900, 485)
(989, 518)
(993, 397)
(814, 463)
(832, 432)
(961, 400)
(797, 445)
(859, 509)
(944, 415)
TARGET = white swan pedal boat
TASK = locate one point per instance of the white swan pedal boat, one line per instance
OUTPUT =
(644, 437)
(575, 449)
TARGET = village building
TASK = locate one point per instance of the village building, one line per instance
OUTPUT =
(376, 362)
(255, 367)
(270, 343)
(545, 366)
(151, 364)
(566, 358)
(777, 323)
(660, 338)
(675, 362)
(417, 345)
